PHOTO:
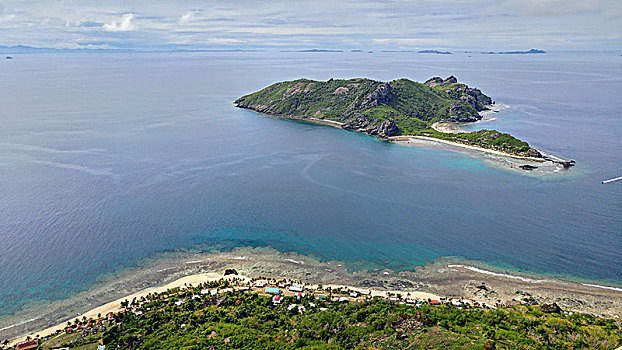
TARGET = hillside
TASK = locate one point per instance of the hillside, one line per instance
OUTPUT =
(398, 107)
(237, 315)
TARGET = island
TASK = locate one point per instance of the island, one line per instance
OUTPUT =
(390, 111)
(435, 51)
(532, 51)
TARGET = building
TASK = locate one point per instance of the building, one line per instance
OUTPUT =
(295, 288)
(435, 302)
(25, 345)
(110, 316)
(273, 290)
(277, 299)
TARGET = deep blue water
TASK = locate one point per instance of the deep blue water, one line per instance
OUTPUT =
(106, 159)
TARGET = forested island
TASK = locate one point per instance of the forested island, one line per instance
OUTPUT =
(387, 109)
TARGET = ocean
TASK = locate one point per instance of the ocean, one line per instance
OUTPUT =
(110, 158)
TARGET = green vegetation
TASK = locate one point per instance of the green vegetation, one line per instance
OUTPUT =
(399, 107)
(232, 319)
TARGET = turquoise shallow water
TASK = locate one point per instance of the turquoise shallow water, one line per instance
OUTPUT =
(106, 159)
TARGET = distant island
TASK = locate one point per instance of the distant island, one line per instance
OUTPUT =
(314, 50)
(514, 52)
(388, 110)
(435, 51)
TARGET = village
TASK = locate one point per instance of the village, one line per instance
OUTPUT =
(286, 295)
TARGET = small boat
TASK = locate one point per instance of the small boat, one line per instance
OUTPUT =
(612, 180)
(9, 57)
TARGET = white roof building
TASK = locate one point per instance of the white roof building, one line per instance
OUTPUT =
(295, 288)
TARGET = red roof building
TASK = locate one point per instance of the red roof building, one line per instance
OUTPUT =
(434, 302)
(25, 345)
(110, 316)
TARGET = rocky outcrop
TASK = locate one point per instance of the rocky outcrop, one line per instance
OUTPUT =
(434, 81)
(534, 153)
(462, 92)
(382, 95)
(472, 96)
(230, 272)
(388, 128)
(384, 130)
(450, 80)
(551, 308)
(457, 113)
(358, 123)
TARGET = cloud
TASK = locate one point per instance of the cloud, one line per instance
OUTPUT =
(485, 25)
(186, 17)
(124, 25)
(610, 8)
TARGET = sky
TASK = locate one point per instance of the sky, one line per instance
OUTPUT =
(292, 25)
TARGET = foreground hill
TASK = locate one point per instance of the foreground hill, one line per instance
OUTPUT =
(399, 107)
(234, 314)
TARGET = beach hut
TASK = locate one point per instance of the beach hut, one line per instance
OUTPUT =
(273, 290)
